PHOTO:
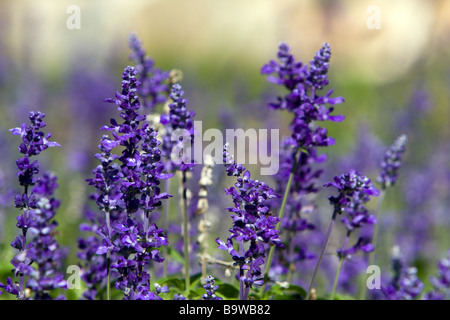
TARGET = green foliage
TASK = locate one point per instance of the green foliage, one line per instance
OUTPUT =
(285, 292)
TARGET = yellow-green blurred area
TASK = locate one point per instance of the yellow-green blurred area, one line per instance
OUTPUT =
(382, 51)
(221, 45)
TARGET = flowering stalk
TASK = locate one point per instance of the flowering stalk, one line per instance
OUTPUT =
(187, 241)
(441, 281)
(306, 104)
(134, 183)
(253, 225)
(165, 223)
(36, 244)
(354, 191)
(106, 181)
(202, 208)
(210, 289)
(405, 285)
(387, 178)
(336, 277)
(327, 237)
(153, 86)
(392, 162)
(389, 172)
(179, 120)
(280, 217)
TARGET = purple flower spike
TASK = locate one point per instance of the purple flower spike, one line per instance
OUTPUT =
(210, 289)
(354, 191)
(308, 105)
(392, 162)
(127, 189)
(40, 257)
(252, 224)
(153, 85)
(405, 284)
(303, 98)
(441, 281)
(181, 119)
(318, 68)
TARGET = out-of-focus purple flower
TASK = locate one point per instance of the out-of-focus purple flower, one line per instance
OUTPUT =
(405, 285)
(392, 162)
(408, 286)
(425, 189)
(253, 223)
(178, 122)
(6, 195)
(153, 87)
(211, 289)
(363, 244)
(441, 281)
(299, 202)
(305, 177)
(364, 156)
(177, 155)
(419, 105)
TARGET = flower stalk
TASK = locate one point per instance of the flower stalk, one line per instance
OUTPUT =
(280, 217)
(319, 261)
(187, 244)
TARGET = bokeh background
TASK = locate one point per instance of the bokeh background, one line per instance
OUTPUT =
(395, 79)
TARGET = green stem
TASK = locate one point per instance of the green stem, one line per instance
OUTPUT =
(277, 227)
(166, 226)
(327, 237)
(241, 273)
(377, 225)
(108, 258)
(108, 275)
(336, 278)
(371, 255)
(338, 271)
(290, 275)
(21, 295)
(186, 235)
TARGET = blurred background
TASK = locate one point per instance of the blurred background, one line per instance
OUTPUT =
(390, 62)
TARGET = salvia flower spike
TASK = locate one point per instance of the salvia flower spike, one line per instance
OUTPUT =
(131, 186)
(253, 227)
(392, 162)
(40, 256)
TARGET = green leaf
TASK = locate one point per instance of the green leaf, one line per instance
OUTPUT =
(304, 151)
(172, 282)
(227, 291)
(289, 292)
(285, 297)
(196, 280)
(196, 294)
(297, 289)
